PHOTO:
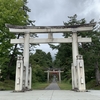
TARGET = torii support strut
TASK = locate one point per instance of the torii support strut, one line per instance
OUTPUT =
(53, 29)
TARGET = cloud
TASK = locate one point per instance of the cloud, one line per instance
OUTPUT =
(54, 12)
(47, 12)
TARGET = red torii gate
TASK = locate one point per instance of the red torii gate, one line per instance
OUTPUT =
(54, 71)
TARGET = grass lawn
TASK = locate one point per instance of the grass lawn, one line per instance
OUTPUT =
(92, 85)
(39, 86)
(7, 85)
(65, 86)
(10, 85)
(89, 86)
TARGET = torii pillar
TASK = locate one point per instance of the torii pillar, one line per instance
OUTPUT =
(48, 76)
(74, 68)
(74, 53)
(60, 75)
(26, 57)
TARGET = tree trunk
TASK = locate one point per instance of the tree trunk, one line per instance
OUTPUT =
(97, 73)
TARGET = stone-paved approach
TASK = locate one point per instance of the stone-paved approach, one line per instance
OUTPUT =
(53, 86)
(50, 95)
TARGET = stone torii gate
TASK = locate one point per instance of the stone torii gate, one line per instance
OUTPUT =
(77, 60)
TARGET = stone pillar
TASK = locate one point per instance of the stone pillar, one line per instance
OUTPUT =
(59, 76)
(72, 71)
(24, 77)
(75, 53)
(29, 77)
(26, 56)
(19, 74)
(81, 74)
(48, 76)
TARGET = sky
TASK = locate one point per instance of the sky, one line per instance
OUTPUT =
(55, 12)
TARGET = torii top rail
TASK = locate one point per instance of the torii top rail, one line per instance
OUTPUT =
(50, 29)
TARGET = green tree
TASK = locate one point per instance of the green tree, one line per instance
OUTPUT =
(90, 51)
(12, 12)
(40, 61)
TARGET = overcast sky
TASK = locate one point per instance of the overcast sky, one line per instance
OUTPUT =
(55, 12)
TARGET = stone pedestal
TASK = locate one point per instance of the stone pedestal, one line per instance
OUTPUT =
(20, 81)
(80, 73)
